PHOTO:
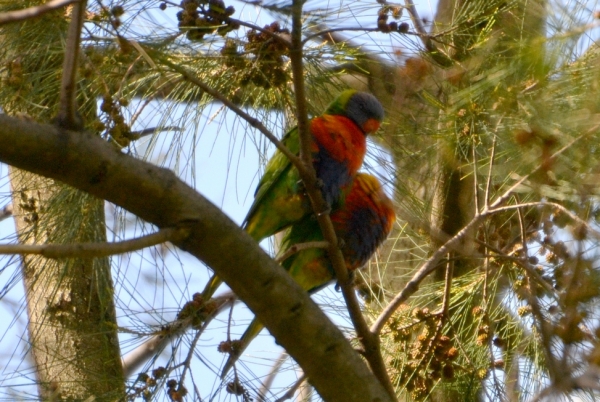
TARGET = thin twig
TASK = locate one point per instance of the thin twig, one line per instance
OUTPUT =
(154, 345)
(191, 77)
(428, 267)
(139, 109)
(279, 37)
(296, 248)
(523, 263)
(475, 179)
(296, 59)
(447, 291)
(326, 34)
(136, 135)
(68, 117)
(418, 24)
(501, 199)
(431, 264)
(486, 308)
(33, 12)
(328, 31)
(268, 383)
(290, 392)
(95, 250)
(488, 183)
(545, 331)
(187, 363)
(571, 215)
(236, 379)
(125, 78)
(589, 229)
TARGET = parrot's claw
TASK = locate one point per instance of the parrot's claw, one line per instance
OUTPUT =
(351, 277)
(301, 187)
(325, 211)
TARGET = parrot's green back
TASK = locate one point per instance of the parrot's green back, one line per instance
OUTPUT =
(278, 188)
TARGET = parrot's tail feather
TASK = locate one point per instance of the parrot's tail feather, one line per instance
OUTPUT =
(211, 287)
(251, 332)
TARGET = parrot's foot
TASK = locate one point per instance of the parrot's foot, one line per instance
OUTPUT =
(302, 188)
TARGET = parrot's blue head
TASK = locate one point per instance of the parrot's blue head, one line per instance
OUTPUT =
(362, 108)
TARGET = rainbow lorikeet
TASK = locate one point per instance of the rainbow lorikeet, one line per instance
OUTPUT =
(338, 149)
(362, 223)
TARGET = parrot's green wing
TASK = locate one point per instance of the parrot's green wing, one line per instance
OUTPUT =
(258, 222)
(277, 167)
(278, 200)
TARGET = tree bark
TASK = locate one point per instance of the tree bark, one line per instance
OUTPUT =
(72, 320)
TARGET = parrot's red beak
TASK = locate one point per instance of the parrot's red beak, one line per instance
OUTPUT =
(371, 126)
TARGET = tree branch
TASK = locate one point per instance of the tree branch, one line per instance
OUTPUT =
(432, 263)
(428, 267)
(268, 382)
(6, 212)
(159, 197)
(369, 340)
(68, 117)
(418, 23)
(94, 250)
(33, 12)
(290, 392)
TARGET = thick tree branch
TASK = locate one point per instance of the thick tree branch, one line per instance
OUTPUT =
(159, 197)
